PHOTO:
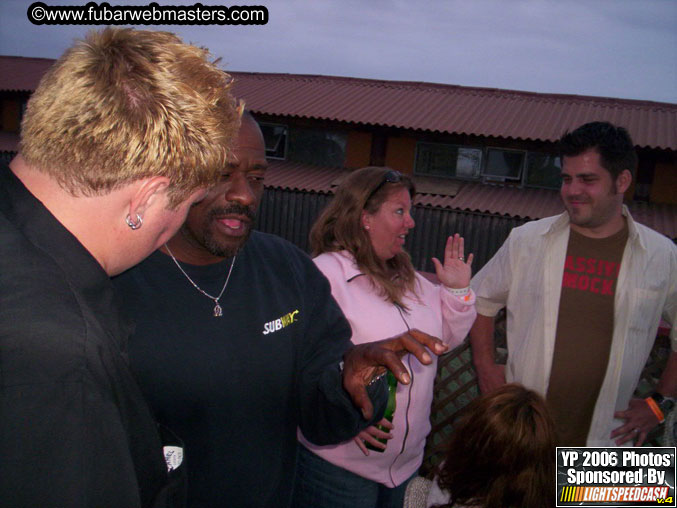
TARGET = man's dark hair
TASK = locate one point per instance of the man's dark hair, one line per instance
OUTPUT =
(614, 145)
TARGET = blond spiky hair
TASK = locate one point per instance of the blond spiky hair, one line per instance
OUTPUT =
(126, 104)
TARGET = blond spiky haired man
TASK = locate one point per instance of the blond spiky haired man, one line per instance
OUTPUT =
(123, 134)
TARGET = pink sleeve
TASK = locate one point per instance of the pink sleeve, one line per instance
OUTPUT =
(458, 313)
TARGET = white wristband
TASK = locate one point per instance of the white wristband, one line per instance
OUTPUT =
(458, 292)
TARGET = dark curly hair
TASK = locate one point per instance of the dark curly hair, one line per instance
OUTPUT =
(614, 145)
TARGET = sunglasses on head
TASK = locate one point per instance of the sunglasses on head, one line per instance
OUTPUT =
(391, 176)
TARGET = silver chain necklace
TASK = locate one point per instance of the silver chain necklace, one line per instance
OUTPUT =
(218, 311)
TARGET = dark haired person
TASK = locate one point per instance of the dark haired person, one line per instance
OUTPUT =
(238, 342)
(585, 292)
(359, 243)
(500, 455)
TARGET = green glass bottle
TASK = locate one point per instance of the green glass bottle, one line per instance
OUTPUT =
(390, 409)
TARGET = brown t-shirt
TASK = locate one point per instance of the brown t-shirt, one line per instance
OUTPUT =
(584, 330)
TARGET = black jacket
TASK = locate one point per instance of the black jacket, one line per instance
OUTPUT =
(74, 428)
(236, 387)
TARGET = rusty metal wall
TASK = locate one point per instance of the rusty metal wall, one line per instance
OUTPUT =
(483, 235)
(290, 214)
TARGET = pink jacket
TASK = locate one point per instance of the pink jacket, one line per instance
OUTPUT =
(438, 313)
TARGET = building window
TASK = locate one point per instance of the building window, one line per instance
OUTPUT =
(491, 164)
(543, 170)
(317, 147)
(448, 160)
(275, 137)
(504, 165)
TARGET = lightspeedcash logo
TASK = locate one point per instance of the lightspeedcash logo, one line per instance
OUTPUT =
(636, 477)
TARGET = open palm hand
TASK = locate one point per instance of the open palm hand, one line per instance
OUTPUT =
(456, 271)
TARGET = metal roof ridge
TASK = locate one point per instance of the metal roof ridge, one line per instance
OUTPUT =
(450, 88)
(432, 87)
(19, 57)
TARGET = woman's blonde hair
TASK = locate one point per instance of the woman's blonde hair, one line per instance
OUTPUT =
(126, 104)
(339, 227)
(502, 452)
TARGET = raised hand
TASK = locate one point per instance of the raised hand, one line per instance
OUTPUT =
(456, 271)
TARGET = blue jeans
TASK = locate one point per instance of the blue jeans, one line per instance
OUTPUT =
(321, 484)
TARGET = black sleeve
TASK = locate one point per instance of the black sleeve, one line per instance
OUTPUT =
(65, 421)
(62, 445)
(65, 407)
(327, 413)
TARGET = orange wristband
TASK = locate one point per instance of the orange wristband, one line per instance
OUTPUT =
(656, 410)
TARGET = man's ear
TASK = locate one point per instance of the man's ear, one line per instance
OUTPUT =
(149, 192)
(623, 181)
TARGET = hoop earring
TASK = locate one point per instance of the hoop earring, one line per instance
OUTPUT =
(134, 225)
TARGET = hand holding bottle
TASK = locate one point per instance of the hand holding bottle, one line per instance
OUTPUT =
(374, 437)
(365, 361)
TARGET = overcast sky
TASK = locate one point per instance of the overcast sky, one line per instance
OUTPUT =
(611, 48)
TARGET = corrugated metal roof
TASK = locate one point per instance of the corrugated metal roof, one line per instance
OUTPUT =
(502, 200)
(18, 73)
(451, 108)
(658, 216)
(524, 203)
(302, 177)
(424, 106)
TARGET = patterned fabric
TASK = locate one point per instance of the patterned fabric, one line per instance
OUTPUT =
(417, 493)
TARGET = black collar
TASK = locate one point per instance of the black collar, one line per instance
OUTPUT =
(82, 271)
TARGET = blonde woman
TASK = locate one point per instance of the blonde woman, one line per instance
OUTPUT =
(358, 241)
